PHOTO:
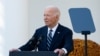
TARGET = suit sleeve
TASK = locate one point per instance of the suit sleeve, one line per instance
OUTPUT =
(68, 41)
(30, 45)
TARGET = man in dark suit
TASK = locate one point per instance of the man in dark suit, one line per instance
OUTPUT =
(59, 40)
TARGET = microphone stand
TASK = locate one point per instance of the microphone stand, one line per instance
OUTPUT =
(37, 43)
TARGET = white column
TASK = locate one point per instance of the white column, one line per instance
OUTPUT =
(16, 24)
(1, 27)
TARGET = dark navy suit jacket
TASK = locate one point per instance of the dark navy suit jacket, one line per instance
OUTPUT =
(62, 39)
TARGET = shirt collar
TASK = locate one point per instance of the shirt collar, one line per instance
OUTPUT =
(54, 28)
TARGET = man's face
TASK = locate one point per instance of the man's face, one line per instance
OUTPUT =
(50, 17)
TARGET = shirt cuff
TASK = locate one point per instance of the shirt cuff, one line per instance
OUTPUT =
(64, 50)
(19, 50)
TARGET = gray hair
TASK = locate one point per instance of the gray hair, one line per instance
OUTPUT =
(56, 9)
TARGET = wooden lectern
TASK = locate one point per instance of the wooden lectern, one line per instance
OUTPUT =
(31, 53)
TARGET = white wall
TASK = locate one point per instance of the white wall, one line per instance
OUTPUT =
(16, 22)
(20, 23)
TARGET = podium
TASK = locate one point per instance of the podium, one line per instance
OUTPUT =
(31, 53)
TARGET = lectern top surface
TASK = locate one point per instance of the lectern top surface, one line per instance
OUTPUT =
(31, 53)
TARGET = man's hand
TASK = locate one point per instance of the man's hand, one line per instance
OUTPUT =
(13, 50)
(60, 52)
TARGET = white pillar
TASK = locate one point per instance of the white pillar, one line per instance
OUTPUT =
(2, 26)
(16, 24)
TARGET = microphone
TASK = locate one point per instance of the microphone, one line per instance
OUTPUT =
(39, 40)
(35, 41)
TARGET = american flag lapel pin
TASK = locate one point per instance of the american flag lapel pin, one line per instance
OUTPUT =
(58, 32)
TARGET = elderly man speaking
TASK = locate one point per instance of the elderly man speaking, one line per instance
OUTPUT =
(55, 37)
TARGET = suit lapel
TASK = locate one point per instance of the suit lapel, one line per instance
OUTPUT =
(44, 32)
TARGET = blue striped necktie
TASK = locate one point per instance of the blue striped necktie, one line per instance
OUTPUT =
(49, 39)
